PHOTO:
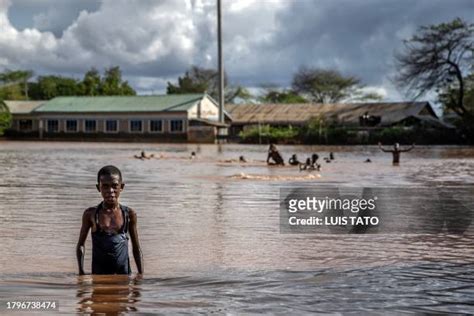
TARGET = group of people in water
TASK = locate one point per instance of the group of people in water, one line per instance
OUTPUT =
(311, 163)
(274, 157)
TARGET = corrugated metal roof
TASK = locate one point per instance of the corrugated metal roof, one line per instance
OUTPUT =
(347, 113)
(22, 107)
(433, 121)
(100, 104)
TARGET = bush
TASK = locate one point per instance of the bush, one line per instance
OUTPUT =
(319, 131)
(5, 118)
(421, 135)
(268, 133)
(396, 134)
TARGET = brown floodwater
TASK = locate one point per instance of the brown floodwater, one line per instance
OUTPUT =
(210, 232)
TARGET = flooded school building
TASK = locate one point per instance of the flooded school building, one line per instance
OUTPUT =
(194, 117)
(177, 118)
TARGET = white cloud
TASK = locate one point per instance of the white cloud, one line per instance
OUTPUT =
(264, 40)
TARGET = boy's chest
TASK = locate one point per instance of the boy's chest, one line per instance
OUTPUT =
(110, 222)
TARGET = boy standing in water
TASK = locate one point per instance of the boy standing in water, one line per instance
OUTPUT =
(110, 223)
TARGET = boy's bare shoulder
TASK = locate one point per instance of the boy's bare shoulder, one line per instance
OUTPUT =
(90, 211)
(132, 213)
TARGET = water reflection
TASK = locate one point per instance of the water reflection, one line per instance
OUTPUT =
(112, 295)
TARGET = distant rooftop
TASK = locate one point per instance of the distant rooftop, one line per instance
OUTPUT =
(22, 107)
(348, 113)
(101, 104)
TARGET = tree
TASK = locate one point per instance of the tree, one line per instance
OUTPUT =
(90, 85)
(49, 87)
(11, 91)
(329, 86)
(275, 94)
(14, 84)
(196, 80)
(448, 95)
(204, 80)
(112, 84)
(438, 57)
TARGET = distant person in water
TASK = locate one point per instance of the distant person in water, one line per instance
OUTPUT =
(311, 163)
(193, 155)
(240, 160)
(275, 156)
(143, 155)
(111, 224)
(396, 152)
(314, 160)
(331, 155)
(306, 165)
(294, 160)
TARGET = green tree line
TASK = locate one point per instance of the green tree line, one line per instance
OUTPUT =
(17, 85)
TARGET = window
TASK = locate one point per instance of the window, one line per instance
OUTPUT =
(90, 126)
(176, 126)
(111, 126)
(71, 126)
(53, 126)
(136, 126)
(26, 125)
(156, 126)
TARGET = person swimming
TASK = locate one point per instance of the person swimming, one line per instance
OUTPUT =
(143, 155)
(306, 165)
(294, 160)
(311, 163)
(314, 159)
(240, 160)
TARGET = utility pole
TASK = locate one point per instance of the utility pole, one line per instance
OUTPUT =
(221, 130)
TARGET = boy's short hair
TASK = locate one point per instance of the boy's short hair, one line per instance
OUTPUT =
(109, 171)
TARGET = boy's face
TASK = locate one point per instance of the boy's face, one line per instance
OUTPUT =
(110, 187)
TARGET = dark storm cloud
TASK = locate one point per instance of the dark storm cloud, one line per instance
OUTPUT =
(265, 41)
(356, 37)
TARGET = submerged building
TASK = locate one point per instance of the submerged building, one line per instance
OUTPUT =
(194, 117)
(183, 117)
(356, 116)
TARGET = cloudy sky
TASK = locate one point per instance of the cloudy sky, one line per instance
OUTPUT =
(265, 41)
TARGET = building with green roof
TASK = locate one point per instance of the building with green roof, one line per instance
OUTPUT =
(179, 117)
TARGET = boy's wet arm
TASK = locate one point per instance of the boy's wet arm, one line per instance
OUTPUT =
(80, 248)
(137, 252)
